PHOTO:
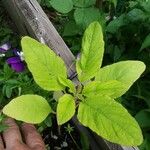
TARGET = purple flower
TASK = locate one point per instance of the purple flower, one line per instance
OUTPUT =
(16, 63)
(5, 47)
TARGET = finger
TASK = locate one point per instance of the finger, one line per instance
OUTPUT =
(11, 135)
(32, 137)
(1, 144)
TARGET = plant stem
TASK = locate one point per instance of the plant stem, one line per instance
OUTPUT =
(74, 141)
(59, 132)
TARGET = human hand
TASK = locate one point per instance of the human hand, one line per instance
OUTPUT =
(25, 138)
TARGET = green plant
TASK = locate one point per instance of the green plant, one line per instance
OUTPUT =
(127, 37)
(82, 12)
(72, 17)
(93, 99)
(6, 34)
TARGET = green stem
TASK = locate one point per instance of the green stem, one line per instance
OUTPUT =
(74, 141)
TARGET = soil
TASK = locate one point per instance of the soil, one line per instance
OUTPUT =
(57, 138)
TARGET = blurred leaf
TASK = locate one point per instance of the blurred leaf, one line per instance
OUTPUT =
(146, 5)
(48, 121)
(3, 127)
(45, 3)
(143, 118)
(8, 91)
(136, 15)
(62, 6)
(84, 3)
(85, 16)
(70, 29)
(146, 144)
(115, 24)
(146, 42)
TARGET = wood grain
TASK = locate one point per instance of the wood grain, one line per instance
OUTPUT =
(31, 20)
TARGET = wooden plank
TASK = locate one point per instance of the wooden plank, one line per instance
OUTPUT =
(31, 20)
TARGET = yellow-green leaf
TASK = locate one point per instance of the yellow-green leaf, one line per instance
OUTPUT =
(112, 88)
(68, 83)
(127, 72)
(92, 52)
(28, 108)
(44, 64)
(110, 120)
(65, 109)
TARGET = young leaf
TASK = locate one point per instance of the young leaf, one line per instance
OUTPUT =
(68, 83)
(92, 52)
(65, 109)
(127, 72)
(63, 6)
(28, 108)
(110, 120)
(112, 88)
(44, 64)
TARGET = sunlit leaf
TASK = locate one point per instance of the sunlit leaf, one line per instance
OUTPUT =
(28, 108)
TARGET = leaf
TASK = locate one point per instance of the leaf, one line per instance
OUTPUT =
(65, 109)
(146, 6)
(136, 15)
(84, 3)
(28, 108)
(44, 64)
(85, 16)
(57, 95)
(146, 42)
(8, 91)
(143, 118)
(45, 3)
(127, 72)
(112, 88)
(68, 83)
(92, 52)
(62, 6)
(110, 120)
(147, 138)
(146, 144)
(71, 29)
(116, 24)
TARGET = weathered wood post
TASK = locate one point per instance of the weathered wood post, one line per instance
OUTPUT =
(30, 19)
